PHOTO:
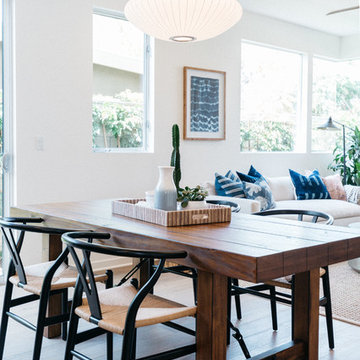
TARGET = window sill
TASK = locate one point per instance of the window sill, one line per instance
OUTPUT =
(122, 151)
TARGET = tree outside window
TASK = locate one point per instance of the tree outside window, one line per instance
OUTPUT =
(270, 98)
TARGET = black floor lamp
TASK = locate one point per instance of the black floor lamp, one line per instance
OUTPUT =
(329, 125)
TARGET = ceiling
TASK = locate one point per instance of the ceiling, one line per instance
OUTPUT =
(310, 13)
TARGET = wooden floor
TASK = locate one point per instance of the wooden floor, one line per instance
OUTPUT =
(255, 327)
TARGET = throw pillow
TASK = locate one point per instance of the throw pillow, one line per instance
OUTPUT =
(334, 186)
(252, 176)
(228, 185)
(261, 192)
(352, 193)
(309, 187)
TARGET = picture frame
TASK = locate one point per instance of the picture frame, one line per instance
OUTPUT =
(204, 104)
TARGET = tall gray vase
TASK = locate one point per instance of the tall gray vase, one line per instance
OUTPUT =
(165, 191)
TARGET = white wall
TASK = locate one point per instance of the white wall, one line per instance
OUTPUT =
(350, 47)
(53, 102)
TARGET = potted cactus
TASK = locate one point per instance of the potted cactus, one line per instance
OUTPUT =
(175, 156)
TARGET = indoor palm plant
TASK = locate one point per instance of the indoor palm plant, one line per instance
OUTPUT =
(352, 175)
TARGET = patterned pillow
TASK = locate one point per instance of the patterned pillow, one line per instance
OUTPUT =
(252, 176)
(309, 187)
(260, 191)
(352, 194)
(229, 185)
(334, 186)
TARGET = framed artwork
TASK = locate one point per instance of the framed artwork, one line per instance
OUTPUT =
(204, 104)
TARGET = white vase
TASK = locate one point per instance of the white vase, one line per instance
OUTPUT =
(165, 191)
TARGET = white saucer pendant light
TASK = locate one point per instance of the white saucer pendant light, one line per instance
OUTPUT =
(183, 20)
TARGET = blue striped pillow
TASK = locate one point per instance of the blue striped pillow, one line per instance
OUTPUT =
(229, 185)
(309, 187)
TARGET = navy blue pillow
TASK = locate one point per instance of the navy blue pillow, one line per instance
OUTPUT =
(252, 176)
(309, 187)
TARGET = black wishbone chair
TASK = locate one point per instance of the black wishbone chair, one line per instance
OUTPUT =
(288, 281)
(123, 308)
(41, 280)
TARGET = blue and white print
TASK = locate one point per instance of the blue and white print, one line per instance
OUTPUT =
(229, 185)
(309, 187)
(261, 192)
(204, 108)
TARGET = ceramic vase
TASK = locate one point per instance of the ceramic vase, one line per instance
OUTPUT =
(165, 191)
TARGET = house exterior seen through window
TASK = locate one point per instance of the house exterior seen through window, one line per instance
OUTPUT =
(120, 83)
(271, 85)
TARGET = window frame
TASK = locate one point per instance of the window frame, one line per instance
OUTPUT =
(145, 86)
(301, 121)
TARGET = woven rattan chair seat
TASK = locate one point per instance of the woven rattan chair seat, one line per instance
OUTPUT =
(285, 282)
(115, 302)
(64, 277)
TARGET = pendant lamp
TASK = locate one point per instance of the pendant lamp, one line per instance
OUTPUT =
(183, 20)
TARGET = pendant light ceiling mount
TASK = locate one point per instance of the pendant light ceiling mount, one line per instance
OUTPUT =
(183, 20)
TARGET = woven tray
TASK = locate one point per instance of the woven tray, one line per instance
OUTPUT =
(212, 214)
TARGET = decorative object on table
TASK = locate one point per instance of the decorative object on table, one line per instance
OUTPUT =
(204, 104)
(192, 198)
(261, 192)
(183, 20)
(340, 155)
(149, 198)
(229, 185)
(333, 184)
(175, 155)
(309, 187)
(165, 191)
(133, 208)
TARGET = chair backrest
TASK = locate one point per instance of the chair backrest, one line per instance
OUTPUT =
(316, 215)
(235, 208)
(11, 224)
(86, 274)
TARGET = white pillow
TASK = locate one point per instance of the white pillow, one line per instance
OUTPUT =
(282, 188)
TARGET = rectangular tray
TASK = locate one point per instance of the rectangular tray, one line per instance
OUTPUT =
(212, 214)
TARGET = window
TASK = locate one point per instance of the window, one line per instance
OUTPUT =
(270, 99)
(120, 84)
(336, 93)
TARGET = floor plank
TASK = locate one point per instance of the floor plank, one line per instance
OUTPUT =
(255, 326)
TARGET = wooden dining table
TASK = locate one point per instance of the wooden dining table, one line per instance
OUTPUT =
(252, 248)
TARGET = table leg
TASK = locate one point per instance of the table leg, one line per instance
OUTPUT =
(306, 311)
(211, 316)
(54, 306)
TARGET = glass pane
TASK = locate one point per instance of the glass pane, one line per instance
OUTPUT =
(118, 96)
(1, 127)
(270, 98)
(336, 93)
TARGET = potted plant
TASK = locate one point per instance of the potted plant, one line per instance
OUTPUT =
(352, 159)
(192, 198)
